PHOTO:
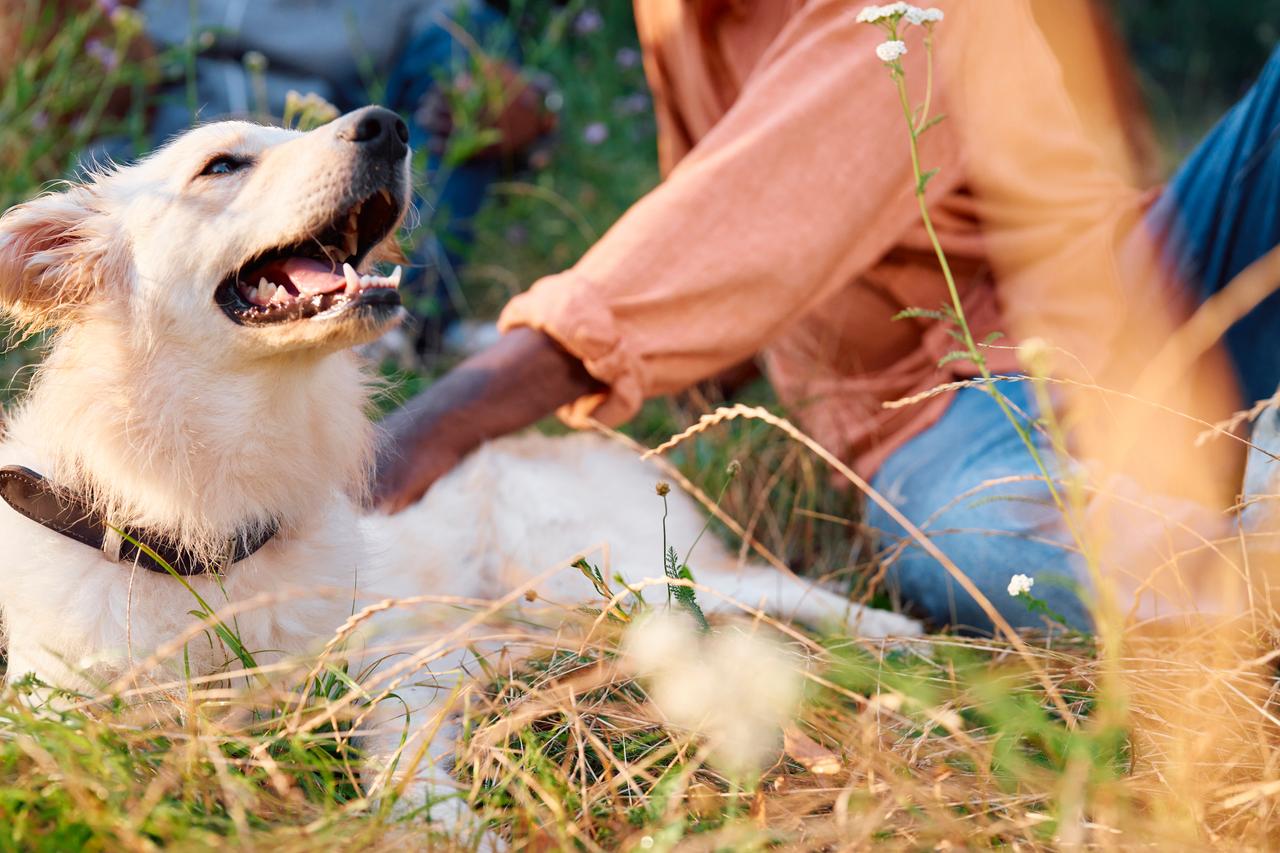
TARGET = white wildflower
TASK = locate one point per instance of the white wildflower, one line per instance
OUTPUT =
(911, 14)
(1019, 584)
(876, 14)
(891, 51)
(869, 15)
(919, 17)
(734, 689)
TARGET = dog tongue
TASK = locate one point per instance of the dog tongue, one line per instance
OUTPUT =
(310, 276)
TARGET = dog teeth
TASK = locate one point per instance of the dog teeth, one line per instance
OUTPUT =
(353, 278)
(266, 290)
(394, 278)
(252, 294)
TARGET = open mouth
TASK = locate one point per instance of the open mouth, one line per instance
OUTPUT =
(316, 277)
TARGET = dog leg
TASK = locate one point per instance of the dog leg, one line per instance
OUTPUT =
(789, 597)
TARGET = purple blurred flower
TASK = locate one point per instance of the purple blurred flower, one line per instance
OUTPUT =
(517, 235)
(40, 121)
(595, 133)
(108, 6)
(589, 21)
(631, 105)
(105, 55)
(627, 57)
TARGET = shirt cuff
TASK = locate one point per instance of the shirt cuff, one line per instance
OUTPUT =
(563, 308)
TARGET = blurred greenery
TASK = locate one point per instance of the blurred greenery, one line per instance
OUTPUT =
(70, 80)
(1195, 58)
(602, 159)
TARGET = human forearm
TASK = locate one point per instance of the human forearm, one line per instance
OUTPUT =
(519, 380)
(794, 195)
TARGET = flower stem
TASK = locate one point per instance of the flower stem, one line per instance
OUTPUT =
(928, 85)
(975, 354)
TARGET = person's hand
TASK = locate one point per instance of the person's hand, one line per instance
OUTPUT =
(517, 381)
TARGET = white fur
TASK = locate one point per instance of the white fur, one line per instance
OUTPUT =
(169, 415)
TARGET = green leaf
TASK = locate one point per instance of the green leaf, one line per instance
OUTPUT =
(671, 565)
(919, 314)
(593, 574)
(931, 122)
(687, 599)
(924, 180)
(683, 595)
(954, 355)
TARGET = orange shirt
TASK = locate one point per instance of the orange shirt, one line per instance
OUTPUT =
(786, 224)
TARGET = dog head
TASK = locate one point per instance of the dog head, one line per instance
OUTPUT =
(235, 239)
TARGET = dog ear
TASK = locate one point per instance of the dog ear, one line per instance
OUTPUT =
(52, 258)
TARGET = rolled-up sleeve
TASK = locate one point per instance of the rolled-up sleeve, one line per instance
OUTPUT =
(803, 185)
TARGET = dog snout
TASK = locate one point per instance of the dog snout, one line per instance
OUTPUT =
(378, 131)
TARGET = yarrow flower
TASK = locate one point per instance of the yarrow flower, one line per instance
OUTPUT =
(733, 688)
(875, 14)
(920, 17)
(1018, 584)
(891, 51)
(893, 11)
(868, 15)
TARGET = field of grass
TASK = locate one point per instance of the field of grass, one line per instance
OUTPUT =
(1163, 737)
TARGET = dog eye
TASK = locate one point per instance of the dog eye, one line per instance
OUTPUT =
(224, 165)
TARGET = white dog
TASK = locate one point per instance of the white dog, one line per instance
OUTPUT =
(201, 395)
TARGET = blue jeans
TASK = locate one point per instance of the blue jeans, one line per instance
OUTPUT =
(1220, 213)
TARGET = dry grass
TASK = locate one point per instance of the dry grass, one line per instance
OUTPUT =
(1042, 740)
(941, 743)
(947, 742)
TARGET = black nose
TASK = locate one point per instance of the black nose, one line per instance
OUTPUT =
(378, 130)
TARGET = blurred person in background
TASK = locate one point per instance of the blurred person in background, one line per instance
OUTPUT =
(787, 226)
(418, 57)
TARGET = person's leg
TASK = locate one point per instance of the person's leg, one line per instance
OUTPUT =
(1221, 212)
(991, 534)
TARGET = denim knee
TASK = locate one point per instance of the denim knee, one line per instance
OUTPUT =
(939, 482)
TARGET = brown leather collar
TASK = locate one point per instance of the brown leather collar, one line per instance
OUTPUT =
(33, 496)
